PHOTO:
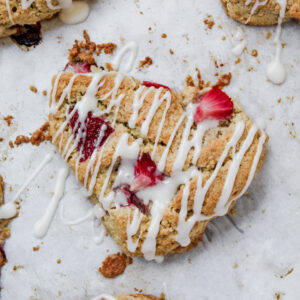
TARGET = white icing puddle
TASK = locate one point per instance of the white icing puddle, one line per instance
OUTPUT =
(76, 13)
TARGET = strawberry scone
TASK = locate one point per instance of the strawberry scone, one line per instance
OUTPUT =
(161, 164)
(265, 12)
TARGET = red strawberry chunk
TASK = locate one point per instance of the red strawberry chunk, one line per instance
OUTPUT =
(133, 199)
(93, 127)
(145, 173)
(155, 85)
(215, 105)
(78, 67)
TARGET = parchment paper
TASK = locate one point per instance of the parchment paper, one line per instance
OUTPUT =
(232, 265)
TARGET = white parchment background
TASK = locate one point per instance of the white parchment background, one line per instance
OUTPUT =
(269, 215)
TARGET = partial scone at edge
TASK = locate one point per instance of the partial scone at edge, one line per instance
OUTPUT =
(214, 142)
(36, 12)
(264, 15)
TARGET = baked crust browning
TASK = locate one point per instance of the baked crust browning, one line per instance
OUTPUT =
(264, 15)
(213, 145)
(36, 12)
(137, 297)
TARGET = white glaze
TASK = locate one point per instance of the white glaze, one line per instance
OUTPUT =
(42, 225)
(45, 161)
(254, 7)
(76, 13)
(240, 38)
(8, 210)
(132, 48)
(276, 71)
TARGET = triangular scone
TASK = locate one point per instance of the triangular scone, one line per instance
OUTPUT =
(158, 174)
(262, 13)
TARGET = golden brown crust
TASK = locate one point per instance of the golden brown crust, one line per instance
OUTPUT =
(37, 12)
(264, 15)
(213, 146)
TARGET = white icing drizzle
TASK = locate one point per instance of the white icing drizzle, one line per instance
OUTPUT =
(45, 161)
(132, 48)
(9, 12)
(76, 13)
(240, 38)
(257, 3)
(161, 194)
(104, 297)
(96, 213)
(42, 225)
(276, 71)
(8, 210)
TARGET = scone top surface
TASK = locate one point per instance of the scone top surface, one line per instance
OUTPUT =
(159, 175)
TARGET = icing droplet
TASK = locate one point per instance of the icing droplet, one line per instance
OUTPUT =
(8, 210)
(276, 72)
(76, 13)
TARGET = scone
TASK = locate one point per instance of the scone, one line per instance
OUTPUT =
(17, 17)
(162, 164)
(256, 12)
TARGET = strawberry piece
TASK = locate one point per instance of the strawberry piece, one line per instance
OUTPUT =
(93, 127)
(133, 199)
(145, 173)
(78, 67)
(155, 85)
(215, 105)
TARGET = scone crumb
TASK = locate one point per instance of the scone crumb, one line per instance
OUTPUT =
(11, 144)
(58, 261)
(44, 92)
(223, 80)
(209, 22)
(268, 35)
(20, 139)
(114, 265)
(36, 248)
(233, 211)
(146, 62)
(33, 89)
(164, 36)
(238, 61)
(288, 273)
(8, 120)
(171, 51)
(162, 296)
(279, 100)
(15, 268)
(254, 53)
(189, 81)
(40, 135)
(223, 38)
(235, 266)
(1, 139)
(5, 234)
(109, 67)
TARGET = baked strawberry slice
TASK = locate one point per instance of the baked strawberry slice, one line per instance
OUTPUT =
(155, 85)
(133, 199)
(145, 173)
(78, 67)
(215, 105)
(94, 132)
